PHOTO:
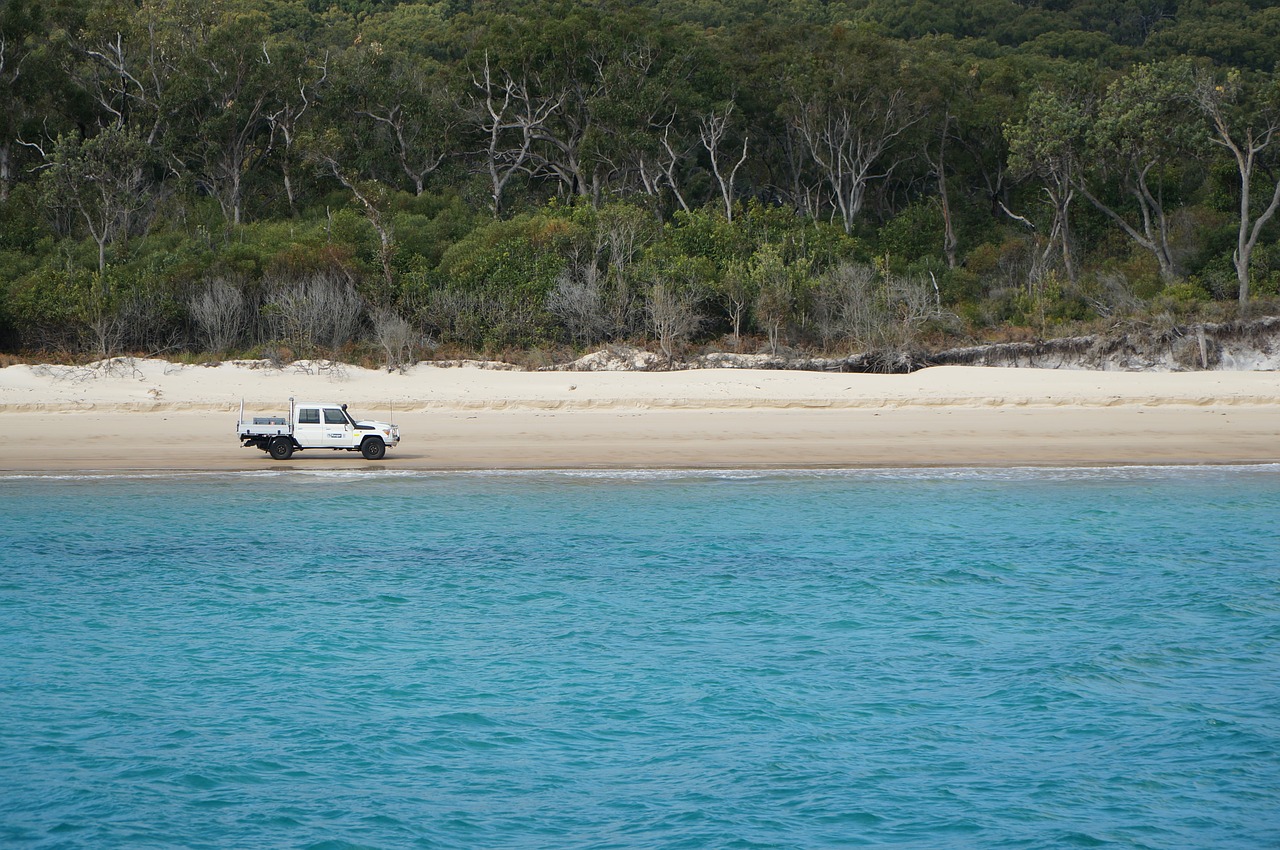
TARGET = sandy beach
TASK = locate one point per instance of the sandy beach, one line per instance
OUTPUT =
(153, 415)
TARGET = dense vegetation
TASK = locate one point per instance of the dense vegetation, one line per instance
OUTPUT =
(322, 177)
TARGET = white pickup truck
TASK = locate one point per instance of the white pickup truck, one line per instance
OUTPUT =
(316, 425)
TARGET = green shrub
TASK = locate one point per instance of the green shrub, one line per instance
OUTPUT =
(913, 234)
(516, 258)
(1182, 299)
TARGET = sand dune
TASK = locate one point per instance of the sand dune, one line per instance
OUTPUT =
(148, 414)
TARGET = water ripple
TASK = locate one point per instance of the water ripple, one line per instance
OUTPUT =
(930, 658)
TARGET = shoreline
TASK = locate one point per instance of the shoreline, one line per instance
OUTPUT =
(158, 418)
(977, 473)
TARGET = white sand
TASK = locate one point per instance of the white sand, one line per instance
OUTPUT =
(155, 415)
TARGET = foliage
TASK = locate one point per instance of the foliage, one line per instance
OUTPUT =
(177, 174)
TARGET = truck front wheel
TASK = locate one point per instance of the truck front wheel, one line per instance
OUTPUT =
(373, 448)
(281, 448)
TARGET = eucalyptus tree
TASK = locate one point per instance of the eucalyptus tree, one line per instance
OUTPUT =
(302, 77)
(691, 136)
(576, 99)
(506, 116)
(849, 105)
(736, 289)
(660, 167)
(233, 81)
(776, 284)
(1047, 143)
(134, 61)
(1141, 140)
(715, 130)
(30, 85)
(569, 63)
(940, 97)
(400, 108)
(101, 181)
(993, 93)
(643, 137)
(1244, 118)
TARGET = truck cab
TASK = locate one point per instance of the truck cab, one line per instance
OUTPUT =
(323, 426)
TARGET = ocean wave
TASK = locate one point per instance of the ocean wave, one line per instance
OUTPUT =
(921, 473)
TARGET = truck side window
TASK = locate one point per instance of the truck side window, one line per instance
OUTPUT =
(309, 416)
(334, 417)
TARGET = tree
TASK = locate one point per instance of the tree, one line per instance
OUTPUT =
(404, 113)
(235, 79)
(659, 169)
(645, 122)
(137, 62)
(594, 294)
(1048, 143)
(848, 109)
(775, 282)
(599, 87)
(1244, 117)
(30, 86)
(301, 79)
(101, 181)
(737, 289)
(713, 130)
(937, 159)
(509, 116)
(374, 200)
(1143, 133)
(671, 304)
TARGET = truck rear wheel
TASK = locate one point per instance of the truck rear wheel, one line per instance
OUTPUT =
(373, 448)
(281, 448)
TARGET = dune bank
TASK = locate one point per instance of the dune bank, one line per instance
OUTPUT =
(152, 415)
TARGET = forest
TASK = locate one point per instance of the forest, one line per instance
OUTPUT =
(389, 180)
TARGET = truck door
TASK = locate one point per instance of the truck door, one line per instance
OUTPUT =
(308, 430)
(337, 428)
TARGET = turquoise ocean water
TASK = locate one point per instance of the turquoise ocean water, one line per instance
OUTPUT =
(920, 658)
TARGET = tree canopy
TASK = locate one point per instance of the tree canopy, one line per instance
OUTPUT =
(474, 168)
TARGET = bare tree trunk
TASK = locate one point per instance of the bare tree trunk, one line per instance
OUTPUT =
(712, 131)
(1154, 235)
(288, 189)
(1213, 98)
(1246, 236)
(950, 242)
(508, 105)
(1068, 259)
(284, 121)
(669, 168)
(847, 139)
